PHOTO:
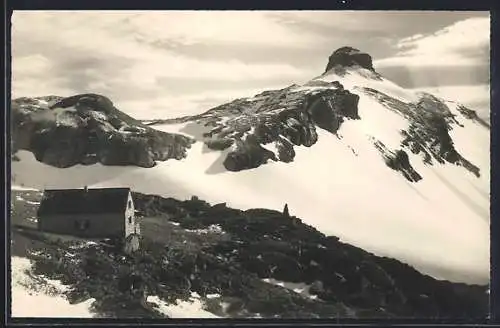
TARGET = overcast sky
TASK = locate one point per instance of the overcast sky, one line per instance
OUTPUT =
(171, 63)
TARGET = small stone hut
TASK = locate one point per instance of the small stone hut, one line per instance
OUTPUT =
(89, 213)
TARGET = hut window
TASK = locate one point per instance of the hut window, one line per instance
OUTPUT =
(130, 219)
(129, 204)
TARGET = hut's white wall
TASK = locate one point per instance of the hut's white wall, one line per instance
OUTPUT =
(130, 220)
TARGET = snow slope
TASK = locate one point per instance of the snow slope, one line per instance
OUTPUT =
(48, 302)
(35, 296)
(340, 185)
(193, 308)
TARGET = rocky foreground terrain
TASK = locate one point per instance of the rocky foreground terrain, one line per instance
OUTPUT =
(235, 261)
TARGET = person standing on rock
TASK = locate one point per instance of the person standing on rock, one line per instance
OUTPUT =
(285, 211)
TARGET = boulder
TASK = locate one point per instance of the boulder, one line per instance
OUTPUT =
(248, 154)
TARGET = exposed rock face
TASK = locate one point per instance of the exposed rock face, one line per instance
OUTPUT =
(283, 118)
(472, 115)
(347, 57)
(87, 129)
(398, 160)
(295, 124)
(428, 132)
(401, 162)
(286, 153)
(248, 155)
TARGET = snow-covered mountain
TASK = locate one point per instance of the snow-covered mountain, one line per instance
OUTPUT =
(87, 129)
(395, 172)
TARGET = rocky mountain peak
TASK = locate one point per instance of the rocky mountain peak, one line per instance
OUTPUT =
(88, 129)
(348, 57)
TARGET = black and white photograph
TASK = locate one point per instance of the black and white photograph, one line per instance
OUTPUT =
(250, 164)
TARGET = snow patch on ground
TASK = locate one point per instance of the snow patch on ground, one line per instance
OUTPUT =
(213, 228)
(48, 301)
(98, 115)
(21, 188)
(193, 308)
(299, 288)
(84, 245)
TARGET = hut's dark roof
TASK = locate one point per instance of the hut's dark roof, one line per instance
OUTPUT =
(79, 201)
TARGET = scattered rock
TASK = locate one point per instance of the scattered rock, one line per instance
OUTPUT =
(400, 162)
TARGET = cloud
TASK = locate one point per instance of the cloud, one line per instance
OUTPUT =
(99, 52)
(218, 27)
(435, 76)
(181, 62)
(464, 43)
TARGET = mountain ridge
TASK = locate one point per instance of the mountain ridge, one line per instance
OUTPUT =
(334, 151)
(87, 129)
(287, 117)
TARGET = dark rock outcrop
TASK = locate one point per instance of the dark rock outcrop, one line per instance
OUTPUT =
(286, 153)
(430, 121)
(399, 161)
(348, 57)
(472, 115)
(249, 154)
(328, 112)
(283, 118)
(219, 144)
(325, 117)
(87, 129)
